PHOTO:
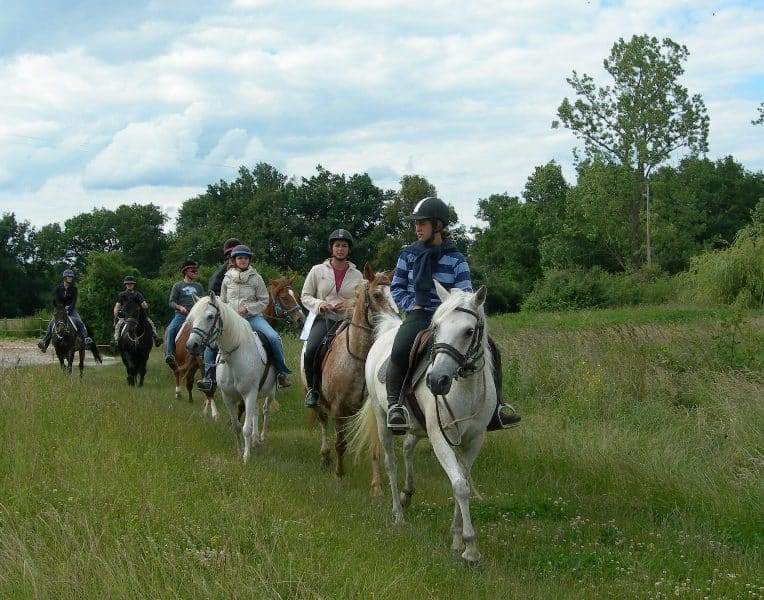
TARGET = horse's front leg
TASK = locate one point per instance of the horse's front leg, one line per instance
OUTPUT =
(232, 404)
(250, 424)
(266, 416)
(82, 363)
(388, 446)
(409, 444)
(323, 421)
(462, 531)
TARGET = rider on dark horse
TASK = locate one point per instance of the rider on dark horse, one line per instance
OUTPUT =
(127, 296)
(65, 295)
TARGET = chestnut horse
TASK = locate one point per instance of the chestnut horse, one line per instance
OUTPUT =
(343, 390)
(282, 306)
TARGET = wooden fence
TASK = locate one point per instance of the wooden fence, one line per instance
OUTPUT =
(22, 326)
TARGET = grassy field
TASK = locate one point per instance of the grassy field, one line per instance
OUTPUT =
(638, 473)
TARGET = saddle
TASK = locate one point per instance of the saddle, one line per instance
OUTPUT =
(326, 347)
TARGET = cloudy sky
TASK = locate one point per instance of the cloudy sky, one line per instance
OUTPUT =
(103, 103)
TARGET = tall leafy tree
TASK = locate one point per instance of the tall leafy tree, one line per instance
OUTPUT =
(394, 230)
(700, 205)
(24, 282)
(639, 121)
(505, 255)
(760, 119)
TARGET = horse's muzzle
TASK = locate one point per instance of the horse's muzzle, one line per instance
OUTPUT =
(439, 384)
(194, 348)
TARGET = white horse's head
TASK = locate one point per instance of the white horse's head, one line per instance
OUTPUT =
(206, 323)
(459, 337)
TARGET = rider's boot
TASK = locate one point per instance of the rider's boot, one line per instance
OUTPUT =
(397, 414)
(505, 416)
(208, 385)
(283, 379)
(45, 342)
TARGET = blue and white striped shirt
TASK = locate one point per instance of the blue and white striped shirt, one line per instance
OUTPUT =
(450, 271)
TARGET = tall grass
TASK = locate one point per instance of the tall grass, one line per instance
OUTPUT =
(637, 473)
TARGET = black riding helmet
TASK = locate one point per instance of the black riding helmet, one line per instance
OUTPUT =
(430, 208)
(128, 279)
(340, 234)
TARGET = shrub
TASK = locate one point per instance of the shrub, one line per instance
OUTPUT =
(734, 275)
(568, 290)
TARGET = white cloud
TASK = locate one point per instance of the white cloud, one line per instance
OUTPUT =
(163, 102)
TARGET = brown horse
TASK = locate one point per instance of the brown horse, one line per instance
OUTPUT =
(67, 341)
(343, 390)
(282, 306)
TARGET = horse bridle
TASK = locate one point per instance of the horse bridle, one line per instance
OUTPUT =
(470, 362)
(211, 336)
(279, 312)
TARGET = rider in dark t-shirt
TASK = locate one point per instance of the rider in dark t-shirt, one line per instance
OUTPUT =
(125, 297)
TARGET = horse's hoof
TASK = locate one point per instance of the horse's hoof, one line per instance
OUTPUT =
(471, 557)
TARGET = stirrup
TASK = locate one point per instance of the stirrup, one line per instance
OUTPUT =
(508, 416)
(206, 385)
(398, 410)
(311, 399)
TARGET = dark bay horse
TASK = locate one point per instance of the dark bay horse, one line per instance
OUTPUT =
(66, 341)
(342, 381)
(135, 342)
(282, 306)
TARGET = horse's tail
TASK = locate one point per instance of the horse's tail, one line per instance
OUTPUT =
(362, 431)
(188, 366)
(96, 353)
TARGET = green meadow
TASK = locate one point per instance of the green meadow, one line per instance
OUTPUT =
(638, 472)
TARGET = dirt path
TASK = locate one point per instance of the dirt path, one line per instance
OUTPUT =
(25, 352)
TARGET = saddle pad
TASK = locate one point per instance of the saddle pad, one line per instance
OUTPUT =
(262, 353)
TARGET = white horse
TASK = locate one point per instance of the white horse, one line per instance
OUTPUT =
(457, 398)
(242, 373)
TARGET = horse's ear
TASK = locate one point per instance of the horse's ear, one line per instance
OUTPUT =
(195, 297)
(480, 296)
(212, 297)
(443, 293)
(368, 272)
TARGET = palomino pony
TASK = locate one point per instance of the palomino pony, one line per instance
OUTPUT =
(135, 342)
(282, 306)
(457, 397)
(66, 341)
(243, 373)
(342, 381)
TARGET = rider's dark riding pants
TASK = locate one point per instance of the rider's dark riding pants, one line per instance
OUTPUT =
(321, 328)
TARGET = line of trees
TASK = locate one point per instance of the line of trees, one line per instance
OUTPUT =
(627, 211)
